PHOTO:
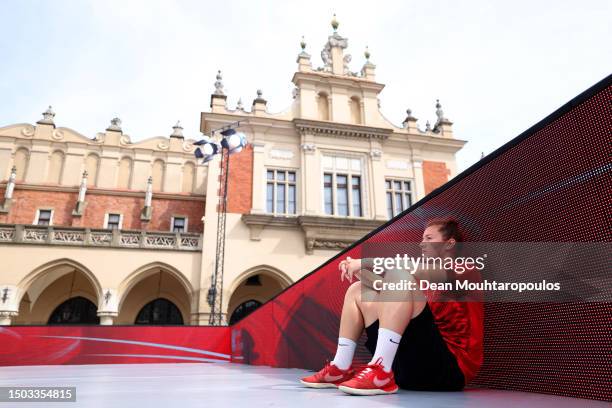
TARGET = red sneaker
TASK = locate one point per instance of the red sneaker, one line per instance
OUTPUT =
(372, 380)
(328, 377)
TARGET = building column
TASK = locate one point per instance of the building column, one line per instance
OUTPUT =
(310, 180)
(107, 319)
(259, 186)
(419, 188)
(108, 308)
(9, 308)
(379, 212)
(6, 317)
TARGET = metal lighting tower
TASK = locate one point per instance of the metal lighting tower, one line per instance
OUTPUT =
(231, 143)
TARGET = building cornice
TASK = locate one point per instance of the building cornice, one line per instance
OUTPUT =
(306, 126)
(248, 121)
(426, 142)
(102, 191)
(70, 138)
(320, 232)
(323, 77)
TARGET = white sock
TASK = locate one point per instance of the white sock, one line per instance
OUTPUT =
(344, 353)
(386, 347)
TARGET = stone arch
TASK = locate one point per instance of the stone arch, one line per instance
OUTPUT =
(263, 269)
(56, 167)
(92, 164)
(27, 280)
(144, 277)
(43, 289)
(323, 105)
(272, 281)
(188, 182)
(21, 160)
(355, 107)
(158, 171)
(124, 178)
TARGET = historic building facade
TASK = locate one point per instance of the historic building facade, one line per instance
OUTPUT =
(111, 231)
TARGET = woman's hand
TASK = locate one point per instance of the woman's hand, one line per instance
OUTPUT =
(350, 267)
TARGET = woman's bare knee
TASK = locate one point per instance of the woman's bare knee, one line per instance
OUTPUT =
(354, 291)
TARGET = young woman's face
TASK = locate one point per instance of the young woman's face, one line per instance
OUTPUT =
(431, 244)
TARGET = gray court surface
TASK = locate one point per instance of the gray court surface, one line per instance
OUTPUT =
(235, 385)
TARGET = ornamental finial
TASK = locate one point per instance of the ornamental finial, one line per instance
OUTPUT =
(334, 23)
(367, 54)
(48, 116)
(409, 115)
(177, 130)
(219, 84)
(439, 111)
(115, 125)
(303, 44)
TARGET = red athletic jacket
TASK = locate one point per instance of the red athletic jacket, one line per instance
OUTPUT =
(461, 325)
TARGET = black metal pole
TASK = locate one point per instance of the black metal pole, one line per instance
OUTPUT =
(216, 291)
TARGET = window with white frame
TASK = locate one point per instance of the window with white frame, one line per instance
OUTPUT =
(342, 186)
(179, 224)
(399, 196)
(281, 191)
(44, 217)
(113, 221)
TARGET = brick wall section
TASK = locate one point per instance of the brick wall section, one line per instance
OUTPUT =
(434, 175)
(26, 202)
(240, 183)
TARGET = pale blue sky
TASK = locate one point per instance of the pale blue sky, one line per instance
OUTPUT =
(497, 66)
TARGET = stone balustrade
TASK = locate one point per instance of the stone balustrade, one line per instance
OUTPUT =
(103, 238)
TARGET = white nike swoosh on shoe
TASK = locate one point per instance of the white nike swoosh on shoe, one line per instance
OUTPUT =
(380, 383)
(332, 378)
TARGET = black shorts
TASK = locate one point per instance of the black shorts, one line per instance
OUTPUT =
(423, 361)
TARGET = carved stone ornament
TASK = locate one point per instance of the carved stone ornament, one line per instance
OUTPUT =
(308, 147)
(28, 131)
(57, 134)
(188, 147)
(219, 84)
(115, 125)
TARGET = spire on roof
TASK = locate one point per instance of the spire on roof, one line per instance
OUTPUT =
(219, 84)
(334, 23)
(178, 130)
(115, 125)
(48, 116)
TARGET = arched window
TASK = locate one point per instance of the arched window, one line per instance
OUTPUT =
(158, 175)
(159, 311)
(22, 157)
(188, 175)
(56, 165)
(323, 106)
(355, 110)
(125, 172)
(76, 310)
(91, 165)
(243, 310)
